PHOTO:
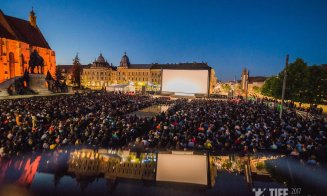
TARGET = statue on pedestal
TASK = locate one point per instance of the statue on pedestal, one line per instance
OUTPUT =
(36, 61)
(55, 85)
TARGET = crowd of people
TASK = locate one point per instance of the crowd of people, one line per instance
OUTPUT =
(313, 109)
(101, 120)
(237, 126)
(96, 119)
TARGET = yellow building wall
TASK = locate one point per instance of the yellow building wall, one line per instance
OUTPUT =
(124, 75)
(96, 78)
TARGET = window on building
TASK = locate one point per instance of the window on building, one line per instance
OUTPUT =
(11, 65)
(22, 64)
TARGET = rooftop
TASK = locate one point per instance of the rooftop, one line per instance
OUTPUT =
(21, 30)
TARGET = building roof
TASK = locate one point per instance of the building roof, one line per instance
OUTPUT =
(21, 30)
(100, 62)
(140, 66)
(70, 66)
(124, 61)
(190, 66)
(67, 68)
(257, 79)
(187, 66)
(100, 59)
(182, 66)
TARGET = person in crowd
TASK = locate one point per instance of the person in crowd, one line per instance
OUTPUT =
(95, 119)
(101, 119)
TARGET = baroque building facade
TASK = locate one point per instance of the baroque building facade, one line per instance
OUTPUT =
(137, 73)
(101, 74)
(18, 39)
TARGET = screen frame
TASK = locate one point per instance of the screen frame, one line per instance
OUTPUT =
(194, 69)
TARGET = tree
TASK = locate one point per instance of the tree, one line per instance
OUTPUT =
(256, 89)
(226, 87)
(296, 78)
(76, 72)
(315, 85)
(272, 87)
(304, 83)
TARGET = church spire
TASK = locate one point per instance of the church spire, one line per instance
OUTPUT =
(32, 18)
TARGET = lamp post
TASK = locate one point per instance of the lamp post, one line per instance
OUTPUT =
(284, 86)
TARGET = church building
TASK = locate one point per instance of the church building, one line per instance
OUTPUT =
(18, 39)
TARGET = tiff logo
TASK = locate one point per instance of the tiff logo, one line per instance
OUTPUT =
(272, 191)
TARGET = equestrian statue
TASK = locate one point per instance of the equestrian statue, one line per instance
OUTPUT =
(36, 61)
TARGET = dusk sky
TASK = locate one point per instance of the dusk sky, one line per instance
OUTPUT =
(228, 34)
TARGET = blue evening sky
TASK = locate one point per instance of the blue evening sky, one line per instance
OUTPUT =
(228, 34)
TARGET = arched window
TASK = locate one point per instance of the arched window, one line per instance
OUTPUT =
(22, 69)
(11, 65)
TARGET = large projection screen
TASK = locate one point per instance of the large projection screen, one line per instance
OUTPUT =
(185, 81)
(182, 168)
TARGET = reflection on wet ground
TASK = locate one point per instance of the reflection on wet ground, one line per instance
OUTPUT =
(151, 111)
(104, 172)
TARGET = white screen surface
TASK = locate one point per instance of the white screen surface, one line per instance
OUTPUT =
(185, 81)
(182, 168)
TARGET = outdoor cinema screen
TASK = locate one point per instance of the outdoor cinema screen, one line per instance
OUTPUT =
(185, 81)
(183, 168)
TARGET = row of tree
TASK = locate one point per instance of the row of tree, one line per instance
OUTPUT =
(307, 84)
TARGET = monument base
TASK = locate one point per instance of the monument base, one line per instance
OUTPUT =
(4, 93)
(38, 84)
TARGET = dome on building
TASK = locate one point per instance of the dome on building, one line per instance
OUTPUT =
(100, 62)
(124, 61)
(100, 59)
